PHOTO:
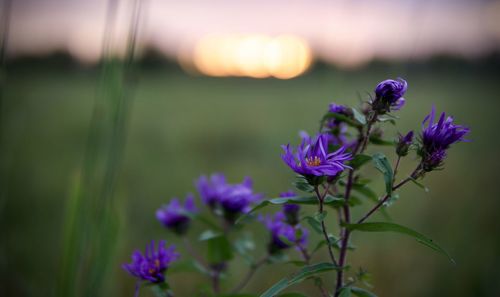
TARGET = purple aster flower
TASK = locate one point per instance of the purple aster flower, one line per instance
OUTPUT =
(211, 188)
(312, 158)
(291, 211)
(404, 143)
(437, 138)
(283, 235)
(152, 265)
(389, 95)
(238, 198)
(175, 216)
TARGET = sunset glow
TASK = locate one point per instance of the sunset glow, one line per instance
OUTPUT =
(257, 56)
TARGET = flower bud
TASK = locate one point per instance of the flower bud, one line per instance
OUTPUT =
(404, 143)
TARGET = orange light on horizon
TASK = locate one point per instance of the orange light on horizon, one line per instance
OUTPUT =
(257, 56)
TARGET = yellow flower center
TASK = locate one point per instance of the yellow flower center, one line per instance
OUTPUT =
(316, 161)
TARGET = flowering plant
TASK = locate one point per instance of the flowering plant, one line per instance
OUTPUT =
(329, 169)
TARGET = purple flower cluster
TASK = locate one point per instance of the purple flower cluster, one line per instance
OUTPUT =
(283, 235)
(151, 265)
(232, 199)
(312, 157)
(437, 138)
(389, 95)
(176, 216)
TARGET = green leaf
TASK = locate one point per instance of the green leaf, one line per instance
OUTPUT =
(298, 277)
(219, 249)
(209, 234)
(313, 200)
(359, 292)
(359, 116)
(379, 141)
(292, 295)
(383, 165)
(359, 160)
(345, 292)
(383, 119)
(302, 184)
(392, 227)
(315, 225)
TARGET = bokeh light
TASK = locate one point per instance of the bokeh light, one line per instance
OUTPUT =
(253, 55)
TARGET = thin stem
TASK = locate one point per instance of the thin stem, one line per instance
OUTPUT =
(323, 226)
(249, 275)
(371, 121)
(383, 200)
(344, 232)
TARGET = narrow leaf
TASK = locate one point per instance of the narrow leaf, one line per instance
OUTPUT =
(298, 277)
(345, 292)
(359, 160)
(392, 227)
(383, 165)
(359, 292)
(359, 116)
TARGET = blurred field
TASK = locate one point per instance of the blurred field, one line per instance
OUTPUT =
(183, 126)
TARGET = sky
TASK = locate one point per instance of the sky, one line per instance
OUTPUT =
(345, 33)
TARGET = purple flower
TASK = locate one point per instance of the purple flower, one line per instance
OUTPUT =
(211, 188)
(437, 138)
(389, 95)
(152, 265)
(238, 198)
(283, 235)
(404, 143)
(291, 211)
(312, 158)
(175, 216)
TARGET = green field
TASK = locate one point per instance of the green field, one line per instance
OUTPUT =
(182, 126)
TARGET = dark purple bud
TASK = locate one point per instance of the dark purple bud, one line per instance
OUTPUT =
(389, 95)
(404, 143)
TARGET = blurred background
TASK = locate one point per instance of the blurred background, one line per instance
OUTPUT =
(110, 108)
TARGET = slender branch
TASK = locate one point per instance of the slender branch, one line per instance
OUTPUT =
(249, 275)
(323, 226)
(344, 232)
(371, 121)
(383, 200)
